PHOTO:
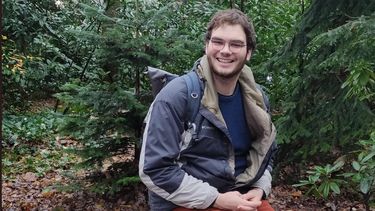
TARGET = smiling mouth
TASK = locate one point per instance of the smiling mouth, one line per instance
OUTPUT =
(227, 61)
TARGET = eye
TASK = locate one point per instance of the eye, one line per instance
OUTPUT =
(217, 42)
(236, 45)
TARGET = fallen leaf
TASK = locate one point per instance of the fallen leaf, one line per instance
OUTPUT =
(99, 206)
(26, 206)
(29, 177)
(58, 178)
(296, 193)
(48, 194)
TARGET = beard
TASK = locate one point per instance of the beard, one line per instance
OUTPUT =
(226, 74)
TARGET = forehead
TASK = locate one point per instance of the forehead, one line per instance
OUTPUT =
(229, 32)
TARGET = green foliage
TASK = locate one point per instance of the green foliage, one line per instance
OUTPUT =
(29, 145)
(274, 23)
(128, 180)
(358, 176)
(363, 175)
(354, 45)
(16, 80)
(36, 54)
(25, 157)
(114, 184)
(22, 21)
(324, 80)
(31, 127)
(322, 181)
(104, 118)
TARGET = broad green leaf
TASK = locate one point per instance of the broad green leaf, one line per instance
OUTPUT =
(356, 165)
(335, 188)
(368, 157)
(338, 165)
(324, 189)
(364, 186)
(302, 183)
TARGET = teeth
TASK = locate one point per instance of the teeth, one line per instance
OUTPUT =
(225, 60)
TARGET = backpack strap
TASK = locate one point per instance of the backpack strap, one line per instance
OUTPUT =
(194, 95)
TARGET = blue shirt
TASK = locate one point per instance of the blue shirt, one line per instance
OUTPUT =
(234, 115)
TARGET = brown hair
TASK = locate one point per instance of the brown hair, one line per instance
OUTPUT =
(232, 17)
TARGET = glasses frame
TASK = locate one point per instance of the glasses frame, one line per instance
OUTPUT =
(235, 46)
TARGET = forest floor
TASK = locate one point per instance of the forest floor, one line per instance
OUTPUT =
(27, 192)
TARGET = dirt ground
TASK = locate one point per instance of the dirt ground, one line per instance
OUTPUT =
(29, 192)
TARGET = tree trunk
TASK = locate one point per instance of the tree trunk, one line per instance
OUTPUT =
(1, 96)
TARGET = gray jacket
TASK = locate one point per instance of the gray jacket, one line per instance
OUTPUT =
(191, 172)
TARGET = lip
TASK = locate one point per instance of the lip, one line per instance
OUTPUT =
(224, 60)
(225, 63)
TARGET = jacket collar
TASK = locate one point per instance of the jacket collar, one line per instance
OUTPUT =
(210, 96)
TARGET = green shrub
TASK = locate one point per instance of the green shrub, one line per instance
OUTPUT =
(322, 180)
(363, 175)
(19, 128)
(30, 145)
(358, 176)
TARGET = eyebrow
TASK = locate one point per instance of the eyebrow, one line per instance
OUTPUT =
(231, 41)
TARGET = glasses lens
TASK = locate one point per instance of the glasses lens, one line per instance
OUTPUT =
(236, 47)
(217, 44)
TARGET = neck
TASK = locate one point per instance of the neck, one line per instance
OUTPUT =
(225, 86)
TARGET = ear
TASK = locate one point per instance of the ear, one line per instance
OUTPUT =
(248, 55)
(206, 47)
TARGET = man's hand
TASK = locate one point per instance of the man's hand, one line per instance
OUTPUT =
(235, 201)
(255, 194)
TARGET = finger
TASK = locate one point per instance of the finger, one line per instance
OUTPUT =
(254, 204)
(237, 193)
(248, 196)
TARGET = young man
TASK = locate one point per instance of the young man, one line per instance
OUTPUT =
(227, 164)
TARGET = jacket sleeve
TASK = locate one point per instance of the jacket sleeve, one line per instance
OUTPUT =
(265, 181)
(158, 167)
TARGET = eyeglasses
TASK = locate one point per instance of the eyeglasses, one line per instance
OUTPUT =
(234, 46)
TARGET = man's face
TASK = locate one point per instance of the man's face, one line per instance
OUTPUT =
(226, 50)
